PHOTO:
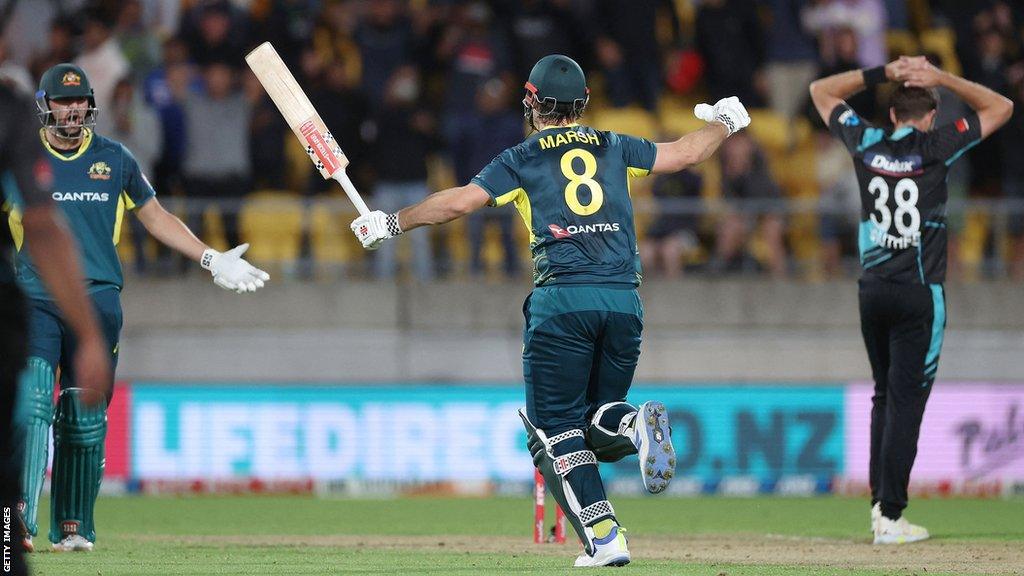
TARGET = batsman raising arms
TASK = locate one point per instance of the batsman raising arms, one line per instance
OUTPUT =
(95, 180)
(584, 317)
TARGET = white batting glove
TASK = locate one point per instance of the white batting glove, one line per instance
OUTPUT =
(374, 228)
(727, 111)
(231, 272)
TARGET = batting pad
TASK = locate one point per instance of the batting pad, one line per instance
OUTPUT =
(78, 434)
(34, 415)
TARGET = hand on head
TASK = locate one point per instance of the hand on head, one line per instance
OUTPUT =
(913, 71)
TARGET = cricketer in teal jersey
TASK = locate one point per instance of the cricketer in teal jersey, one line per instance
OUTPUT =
(584, 317)
(95, 181)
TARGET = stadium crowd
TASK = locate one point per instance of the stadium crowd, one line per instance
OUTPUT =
(423, 93)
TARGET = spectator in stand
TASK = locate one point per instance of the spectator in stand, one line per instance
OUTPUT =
(13, 73)
(217, 165)
(163, 90)
(60, 46)
(839, 53)
(500, 127)
(173, 77)
(792, 58)
(474, 51)
(386, 42)
(1013, 177)
(674, 232)
(140, 46)
(730, 37)
(628, 50)
(288, 24)
(991, 69)
(334, 41)
(896, 14)
(344, 108)
(839, 202)
(752, 197)
(537, 28)
(101, 59)
(405, 136)
(216, 32)
(867, 18)
(25, 29)
(137, 126)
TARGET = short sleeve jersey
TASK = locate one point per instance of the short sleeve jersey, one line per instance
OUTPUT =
(571, 187)
(93, 186)
(25, 171)
(902, 180)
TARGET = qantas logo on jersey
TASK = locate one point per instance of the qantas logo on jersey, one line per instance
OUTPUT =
(559, 232)
(81, 196)
(893, 166)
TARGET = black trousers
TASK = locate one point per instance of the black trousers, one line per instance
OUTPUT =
(903, 326)
(13, 348)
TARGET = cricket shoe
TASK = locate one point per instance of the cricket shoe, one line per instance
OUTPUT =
(876, 515)
(608, 551)
(898, 531)
(73, 543)
(654, 446)
(27, 545)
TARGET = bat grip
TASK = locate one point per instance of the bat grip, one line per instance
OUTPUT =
(351, 192)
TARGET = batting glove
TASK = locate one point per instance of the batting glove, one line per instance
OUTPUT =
(231, 272)
(727, 111)
(374, 228)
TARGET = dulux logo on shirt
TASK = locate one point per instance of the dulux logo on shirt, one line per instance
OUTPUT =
(893, 165)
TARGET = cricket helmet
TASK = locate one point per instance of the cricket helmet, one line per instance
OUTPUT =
(558, 84)
(64, 81)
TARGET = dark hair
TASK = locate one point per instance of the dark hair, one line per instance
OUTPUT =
(912, 103)
(564, 111)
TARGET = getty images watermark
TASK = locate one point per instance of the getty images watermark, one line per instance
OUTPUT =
(8, 551)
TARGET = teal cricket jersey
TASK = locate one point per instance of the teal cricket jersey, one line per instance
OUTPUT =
(94, 186)
(571, 187)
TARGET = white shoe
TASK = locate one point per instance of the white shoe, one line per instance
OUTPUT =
(27, 545)
(73, 543)
(876, 514)
(898, 531)
(654, 446)
(608, 551)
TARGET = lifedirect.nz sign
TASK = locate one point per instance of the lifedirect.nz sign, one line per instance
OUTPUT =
(458, 433)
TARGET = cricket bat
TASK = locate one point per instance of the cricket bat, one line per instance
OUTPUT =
(303, 119)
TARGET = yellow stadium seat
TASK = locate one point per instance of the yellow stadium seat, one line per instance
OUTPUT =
(901, 43)
(973, 237)
(271, 222)
(631, 120)
(942, 41)
(771, 130)
(330, 239)
(678, 121)
(298, 168)
(920, 14)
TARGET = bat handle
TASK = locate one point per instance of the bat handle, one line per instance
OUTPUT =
(351, 192)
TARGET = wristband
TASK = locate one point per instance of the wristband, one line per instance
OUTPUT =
(392, 224)
(207, 260)
(874, 76)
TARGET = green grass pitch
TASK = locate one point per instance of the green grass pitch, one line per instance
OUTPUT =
(141, 536)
